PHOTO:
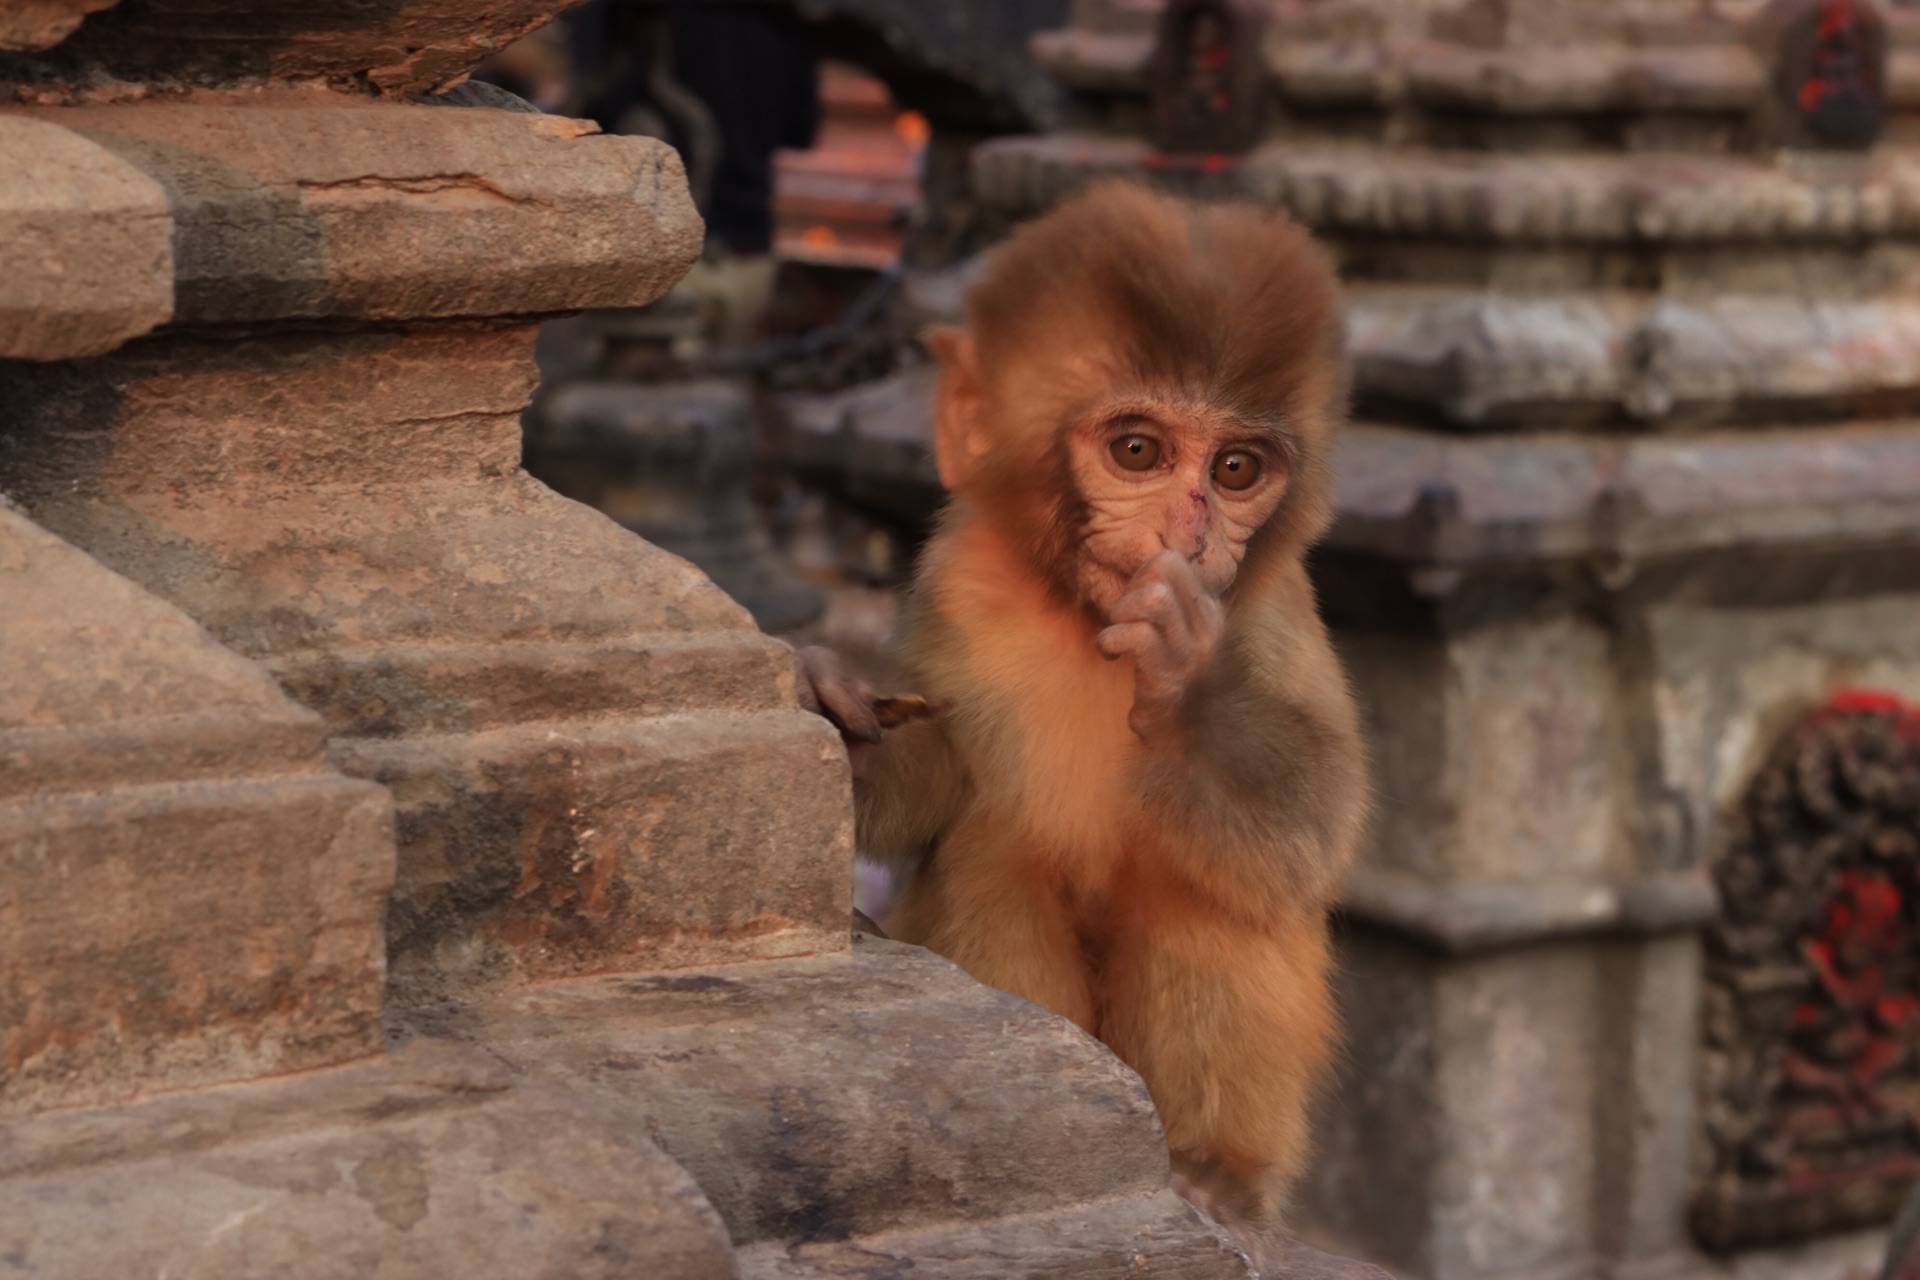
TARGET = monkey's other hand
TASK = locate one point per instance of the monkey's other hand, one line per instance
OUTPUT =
(1170, 626)
(829, 688)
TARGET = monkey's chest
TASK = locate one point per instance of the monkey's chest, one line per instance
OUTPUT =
(1071, 791)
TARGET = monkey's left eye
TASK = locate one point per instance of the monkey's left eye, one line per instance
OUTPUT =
(1136, 453)
(1236, 469)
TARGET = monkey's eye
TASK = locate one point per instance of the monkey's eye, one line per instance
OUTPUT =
(1136, 453)
(1236, 469)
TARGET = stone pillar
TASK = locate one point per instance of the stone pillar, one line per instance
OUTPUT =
(1633, 483)
(295, 648)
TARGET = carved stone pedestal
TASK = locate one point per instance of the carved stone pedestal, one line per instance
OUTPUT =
(293, 649)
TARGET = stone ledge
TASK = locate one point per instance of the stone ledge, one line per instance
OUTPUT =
(430, 1165)
(307, 205)
(1605, 76)
(1652, 198)
(833, 1099)
(1422, 496)
(1469, 919)
(86, 246)
(1487, 359)
(1103, 1239)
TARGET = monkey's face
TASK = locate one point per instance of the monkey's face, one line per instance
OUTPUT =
(1155, 476)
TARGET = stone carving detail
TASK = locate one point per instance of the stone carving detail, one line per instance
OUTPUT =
(1830, 70)
(1208, 82)
(1811, 1063)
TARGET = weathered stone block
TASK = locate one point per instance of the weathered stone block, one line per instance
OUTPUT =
(569, 716)
(187, 893)
(827, 1099)
(431, 1166)
(311, 204)
(1515, 1098)
(86, 253)
(578, 847)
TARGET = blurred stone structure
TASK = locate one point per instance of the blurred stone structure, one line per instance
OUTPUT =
(404, 871)
(1633, 485)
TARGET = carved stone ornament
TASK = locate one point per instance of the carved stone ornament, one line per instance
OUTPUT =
(1811, 1105)
(1209, 92)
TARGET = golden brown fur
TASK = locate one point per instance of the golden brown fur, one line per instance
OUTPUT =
(1168, 894)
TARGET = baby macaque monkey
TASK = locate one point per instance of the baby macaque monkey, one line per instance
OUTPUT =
(1135, 775)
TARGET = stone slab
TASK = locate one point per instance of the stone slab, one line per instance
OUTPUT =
(1516, 197)
(822, 1100)
(1158, 1235)
(86, 245)
(151, 784)
(430, 1166)
(1464, 919)
(1424, 495)
(393, 47)
(308, 204)
(1338, 57)
(586, 846)
(1534, 358)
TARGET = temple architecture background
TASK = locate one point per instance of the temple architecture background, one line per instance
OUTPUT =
(1627, 571)
(404, 870)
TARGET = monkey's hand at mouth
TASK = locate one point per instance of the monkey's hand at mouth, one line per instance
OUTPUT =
(1169, 624)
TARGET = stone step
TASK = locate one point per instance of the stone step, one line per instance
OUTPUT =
(1678, 199)
(822, 1100)
(188, 894)
(430, 1165)
(556, 849)
(1156, 1234)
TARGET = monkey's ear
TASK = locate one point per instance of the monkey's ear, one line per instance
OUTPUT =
(959, 426)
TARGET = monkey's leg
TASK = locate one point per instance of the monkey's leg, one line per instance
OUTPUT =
(995, 913)
(1232, 1028)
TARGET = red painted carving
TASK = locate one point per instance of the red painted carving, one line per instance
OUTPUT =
(1811, 1105)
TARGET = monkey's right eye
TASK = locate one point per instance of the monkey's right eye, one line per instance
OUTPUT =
(1136, 453)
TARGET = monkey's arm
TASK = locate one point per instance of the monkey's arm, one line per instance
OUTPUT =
(1259, 786)
(907, 789)
(908, 781)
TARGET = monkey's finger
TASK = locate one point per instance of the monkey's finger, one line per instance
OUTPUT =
(849, 704)
(1176, 571)
(1126, 638)
(1155, 603)
(1145, 603)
